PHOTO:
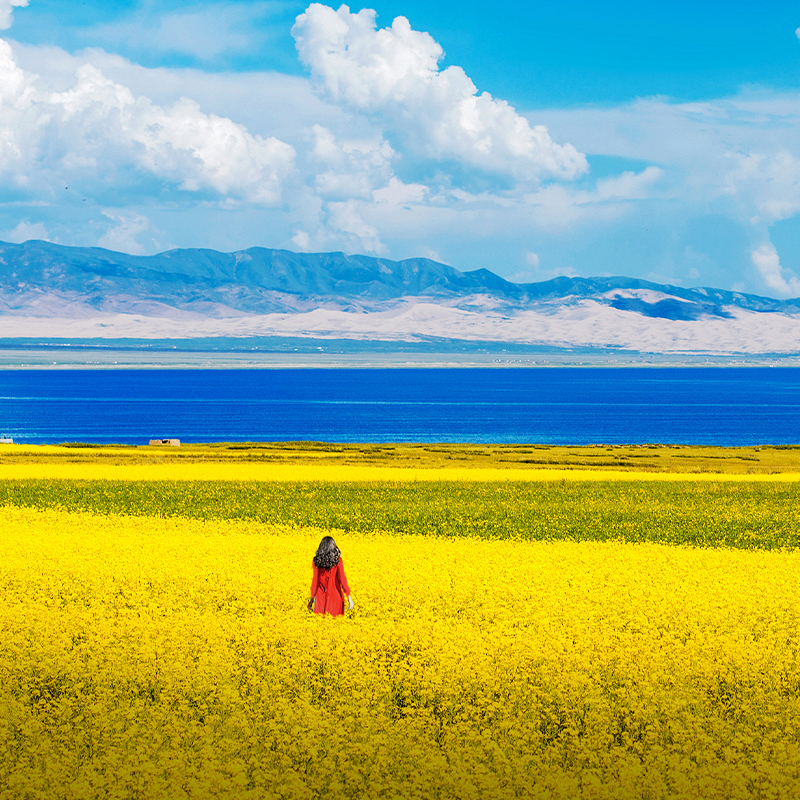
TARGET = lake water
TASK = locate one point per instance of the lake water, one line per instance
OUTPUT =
(695, 405)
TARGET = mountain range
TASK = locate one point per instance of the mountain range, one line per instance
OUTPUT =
(53, 291)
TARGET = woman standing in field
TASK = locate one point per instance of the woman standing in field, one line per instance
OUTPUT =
(329, 586)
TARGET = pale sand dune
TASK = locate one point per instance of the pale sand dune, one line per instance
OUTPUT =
(583, 323)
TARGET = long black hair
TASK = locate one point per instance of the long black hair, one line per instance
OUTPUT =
(328, 554)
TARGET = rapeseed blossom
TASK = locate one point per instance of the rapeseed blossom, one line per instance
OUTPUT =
(342, 473)
(742, 513)
(152, 657)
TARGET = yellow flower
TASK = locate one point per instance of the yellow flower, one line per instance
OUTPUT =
(155, 656)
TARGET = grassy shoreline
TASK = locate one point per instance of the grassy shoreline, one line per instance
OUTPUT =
(647, 458)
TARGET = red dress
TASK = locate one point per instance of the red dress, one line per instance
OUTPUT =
(326, 589)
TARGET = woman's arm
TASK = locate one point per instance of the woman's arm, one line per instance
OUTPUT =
(342, 580)
(314, 586)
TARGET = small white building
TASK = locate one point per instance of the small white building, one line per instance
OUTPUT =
(170, 442)
(5, 439)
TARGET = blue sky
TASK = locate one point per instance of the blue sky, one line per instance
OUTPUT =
(657, 141)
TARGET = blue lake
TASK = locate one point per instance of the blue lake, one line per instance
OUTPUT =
(552, 405)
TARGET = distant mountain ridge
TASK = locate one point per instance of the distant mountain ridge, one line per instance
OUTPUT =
(261, 280)
(70, 294)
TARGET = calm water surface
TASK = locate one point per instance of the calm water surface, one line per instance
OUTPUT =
(721, 406)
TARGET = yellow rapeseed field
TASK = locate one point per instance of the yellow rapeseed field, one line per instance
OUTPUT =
(233, 471)
(146, 657)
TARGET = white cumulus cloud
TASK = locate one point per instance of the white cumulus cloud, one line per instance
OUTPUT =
(124, 235)
(24, 232)
(532, 259)
(394, 73)
(346, 218)
(350, 179)
(768, 182)
(7, 11)
(767, 262)
(98, 125)
(629, 185)
(19, 123)
(349, 169)
(180, 142)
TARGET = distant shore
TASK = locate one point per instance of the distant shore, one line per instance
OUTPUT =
(324, 354)
(394, 461)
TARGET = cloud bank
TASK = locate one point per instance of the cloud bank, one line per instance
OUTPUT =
(341, 181)
(384, 148)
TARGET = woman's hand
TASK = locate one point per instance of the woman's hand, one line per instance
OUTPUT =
(350, 600)
(311, 604)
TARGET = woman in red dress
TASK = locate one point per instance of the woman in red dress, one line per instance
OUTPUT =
(329, 587)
